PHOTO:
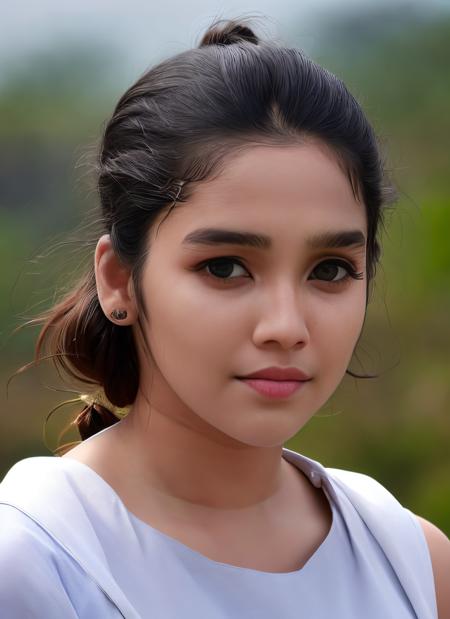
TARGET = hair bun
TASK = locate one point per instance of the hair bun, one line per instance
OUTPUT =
(227, 34)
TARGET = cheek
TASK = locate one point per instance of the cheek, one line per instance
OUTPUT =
(189, 326)
(338, 327)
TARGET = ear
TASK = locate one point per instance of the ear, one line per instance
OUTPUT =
(114, 282)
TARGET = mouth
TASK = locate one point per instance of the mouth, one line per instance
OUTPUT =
(274, 389)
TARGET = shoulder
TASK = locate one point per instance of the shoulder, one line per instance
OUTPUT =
(25, 472)
(401, 536)
(439, 547)
(36, 484)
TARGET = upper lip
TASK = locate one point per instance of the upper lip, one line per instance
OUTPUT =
(277, 373)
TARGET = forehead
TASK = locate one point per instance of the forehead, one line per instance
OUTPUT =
(278, 190)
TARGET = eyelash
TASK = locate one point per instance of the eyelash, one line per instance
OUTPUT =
(351, 271)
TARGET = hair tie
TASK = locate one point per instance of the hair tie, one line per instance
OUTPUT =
(100, 398)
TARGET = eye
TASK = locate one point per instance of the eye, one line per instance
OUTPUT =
(226, 268)
(223, 267)
(335, 271)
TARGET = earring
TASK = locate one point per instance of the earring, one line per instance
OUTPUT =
(119, 314)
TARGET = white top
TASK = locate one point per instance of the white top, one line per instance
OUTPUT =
(69, 548)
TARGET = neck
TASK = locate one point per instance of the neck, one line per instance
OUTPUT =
(196, 467)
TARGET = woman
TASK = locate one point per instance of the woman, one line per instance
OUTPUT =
(242, 193)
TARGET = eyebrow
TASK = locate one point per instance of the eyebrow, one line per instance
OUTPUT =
(220, 236)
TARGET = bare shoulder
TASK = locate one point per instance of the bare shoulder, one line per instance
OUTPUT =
(439, 546)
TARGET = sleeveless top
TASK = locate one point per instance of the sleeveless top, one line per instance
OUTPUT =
(70, 548)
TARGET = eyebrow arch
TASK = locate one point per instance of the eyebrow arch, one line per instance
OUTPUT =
(220, 236)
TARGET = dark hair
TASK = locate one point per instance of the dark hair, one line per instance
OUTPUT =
(176, 125)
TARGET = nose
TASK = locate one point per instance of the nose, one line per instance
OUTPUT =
(282, 320)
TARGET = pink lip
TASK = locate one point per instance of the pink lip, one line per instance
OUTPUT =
(278, 373)
(273, 388)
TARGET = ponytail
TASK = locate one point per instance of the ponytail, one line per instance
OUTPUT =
(87, 347)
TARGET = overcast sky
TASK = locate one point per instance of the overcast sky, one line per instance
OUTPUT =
(155, 27)
(144, 30)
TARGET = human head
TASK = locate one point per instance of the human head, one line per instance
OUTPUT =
(177, 126)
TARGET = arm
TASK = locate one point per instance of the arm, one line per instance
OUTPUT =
(439, 546)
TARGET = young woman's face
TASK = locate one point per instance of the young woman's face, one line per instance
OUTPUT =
(220, 310)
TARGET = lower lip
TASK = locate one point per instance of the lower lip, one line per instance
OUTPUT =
(274, 388)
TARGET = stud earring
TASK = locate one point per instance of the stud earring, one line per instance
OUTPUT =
(119, 314)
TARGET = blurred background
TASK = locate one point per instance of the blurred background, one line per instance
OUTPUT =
(63, 67)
